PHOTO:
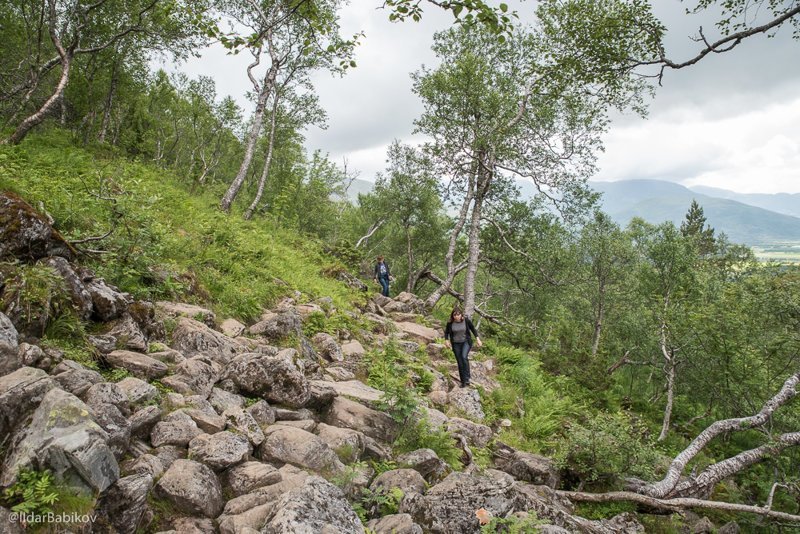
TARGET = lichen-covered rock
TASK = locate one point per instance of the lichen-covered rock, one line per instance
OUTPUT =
(137, 390)
(116, 426)
(63, 437)
(107, 393)
(425, 461)
(279, 325)
(350, 414)
(108, 302)
(32, 356)
(222, 400)
(139, 365)
(316, 506)
(143, 420)
(468, 402)
(26, 235)
(232, 328)
(526, 466)
(449, 507)
(210, 423)
(394, 524)
(346, 443)
(75, 378)
(262, 413)
(353, 349)
(408, 480)
(354, 389)
(274, 378)
(124, 503)
(476, 434)
(339, 374)
(219, 451)
(327, 347)
(299, 448)
(176, 429)
(20, 393)
(241, 422)
(193, 338)
(418, 332)
(195, 376)
(10, 359)
(192, 488)
(249, 476)
(180, 309)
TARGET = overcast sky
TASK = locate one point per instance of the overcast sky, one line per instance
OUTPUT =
(731, 121)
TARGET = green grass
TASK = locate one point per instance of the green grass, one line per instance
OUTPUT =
(169, 243)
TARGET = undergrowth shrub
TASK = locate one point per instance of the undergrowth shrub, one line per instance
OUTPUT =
(421, 435)
(33, 297)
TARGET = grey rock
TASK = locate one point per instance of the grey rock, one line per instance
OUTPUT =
(193, 338)
(320, 397)
(353, 350)
(232, 328)
(138, 364)
(476, 434)
(192, 488)
(731, 527)
(63, 437)
(278, 326)
(169, 454)
(176, 429)
(144, 464)
(426, 462)
(353, 389)
(408, 480)
(195, 376)
(348, 444)
(125, 502)
(208, 423)
(108, 393)
(180, 309)
(262, 413)
(350, 414)
(10, 526)
(116, 426)
(304, 424)
(168, 356)
(20, 392)
(285, 414)
(467, 401)
(241, 422)
(143, 420)
(221, 450)
(137, 390)
(274, 378)
(194, 525)
(394, 524)
(127, 334)
(81, 298)
(316, 507)
(223, 400)
(10, 359)
(248, 476)
(449, 507)
(26, 235)
(526, 466)
(299, 448)
(107, 301)
(104, 343)
(75, 378)
(327, 347)
(31, 356)
(339, 374)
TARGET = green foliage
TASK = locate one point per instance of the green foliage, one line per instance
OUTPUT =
(386, 372)
(607, 447)
(603, 510)
(36, 296)
(378, 503)
(33, 492)
(115, 375)
(382, 466)
(421, 435)
(529, 524)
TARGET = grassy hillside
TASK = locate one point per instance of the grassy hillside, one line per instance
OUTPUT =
(168, 242)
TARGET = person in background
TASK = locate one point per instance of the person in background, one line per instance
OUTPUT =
(383, 276)
(457, 335)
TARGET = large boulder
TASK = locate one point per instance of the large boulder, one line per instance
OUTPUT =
(249, 476)
(425, 461)
(327, 347)
(407, 480)
(181, 309)
(139, 365)
(315, 507)
(300, 448)
(108, 302)
(126, 334)
(394, 524)
(73, 377)
(418, 332)
(195, 376)
(350, 414)
(9, 346)
(348, 444)
(243, 423)
(63, 437)
(476, 434)
(275, 378)
(526, 466)
(176, 429)
(468, 402)
(192, 488)
(20, 392)
(193, 338)
(26, 235)
(232, 328)
(354, 389)
(138, 391)
(449, 507)
(219, 451)
(276, 326)
(124, 503)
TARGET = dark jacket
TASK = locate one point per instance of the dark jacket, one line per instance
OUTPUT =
(378, 270)
(448, 331)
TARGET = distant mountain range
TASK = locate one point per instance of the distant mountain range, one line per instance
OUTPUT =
(751, 219)
(657, 201)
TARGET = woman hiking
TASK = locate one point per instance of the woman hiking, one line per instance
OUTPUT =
(457, 336)
(383, 275)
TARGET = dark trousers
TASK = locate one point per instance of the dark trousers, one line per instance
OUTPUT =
(384, 280)
(461, 350)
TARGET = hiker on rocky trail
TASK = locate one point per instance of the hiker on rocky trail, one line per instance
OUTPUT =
(457, 336)
(383, 276)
